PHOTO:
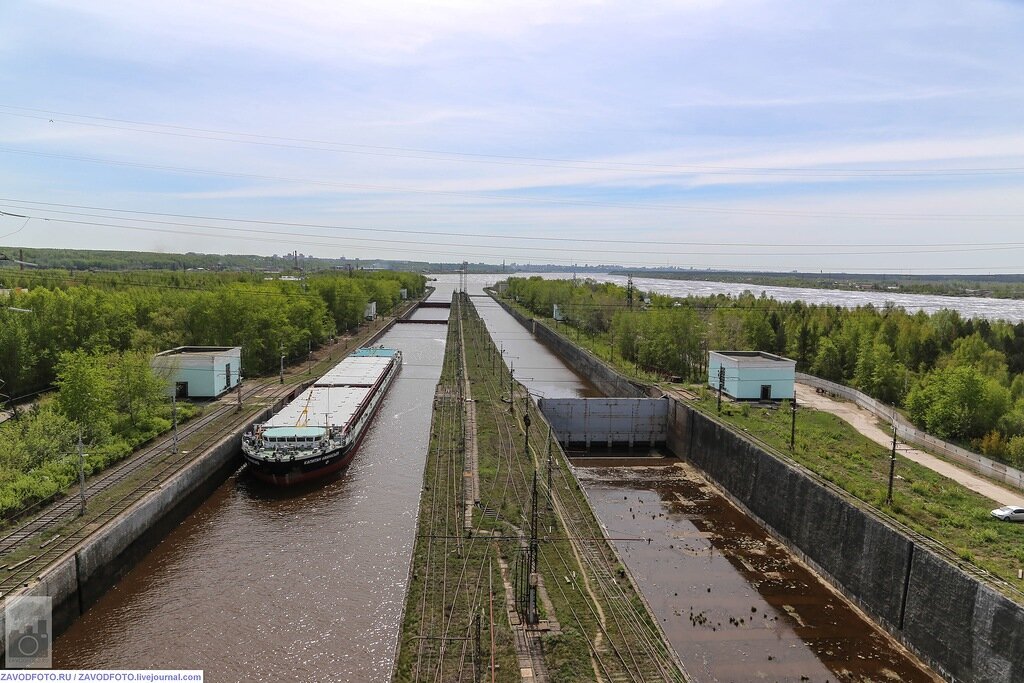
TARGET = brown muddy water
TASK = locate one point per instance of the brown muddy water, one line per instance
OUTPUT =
(265, 584)
(735, 604)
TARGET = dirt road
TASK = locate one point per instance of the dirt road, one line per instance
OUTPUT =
(867, 424)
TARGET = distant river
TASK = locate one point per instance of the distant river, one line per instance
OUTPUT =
(968, 307)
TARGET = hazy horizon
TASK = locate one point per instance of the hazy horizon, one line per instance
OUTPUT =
(844, 137)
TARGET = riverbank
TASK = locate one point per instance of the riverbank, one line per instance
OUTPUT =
(74, 559)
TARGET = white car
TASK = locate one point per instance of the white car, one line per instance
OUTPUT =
(1009, 513)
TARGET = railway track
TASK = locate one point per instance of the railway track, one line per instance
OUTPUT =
(454, 603)
(42, 539)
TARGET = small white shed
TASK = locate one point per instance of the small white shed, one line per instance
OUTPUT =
(752, 375)
(200, 371)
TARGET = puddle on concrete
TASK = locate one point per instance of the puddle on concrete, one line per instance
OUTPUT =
(736, 604)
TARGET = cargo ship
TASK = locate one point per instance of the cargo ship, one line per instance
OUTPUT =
(318, 433)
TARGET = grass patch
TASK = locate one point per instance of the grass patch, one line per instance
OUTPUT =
(923, 500)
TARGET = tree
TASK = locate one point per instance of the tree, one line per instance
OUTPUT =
(138, 389)
(957, 403)
(828, 364)
(758, 332)
(85, 392)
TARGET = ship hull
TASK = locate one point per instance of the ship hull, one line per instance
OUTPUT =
(291, 472)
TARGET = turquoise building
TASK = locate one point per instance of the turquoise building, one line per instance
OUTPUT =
(752, 375)
(200, 371)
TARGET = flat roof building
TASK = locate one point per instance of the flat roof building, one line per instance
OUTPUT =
(752, 375)
(200, 371)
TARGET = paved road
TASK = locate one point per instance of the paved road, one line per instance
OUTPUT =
(867, 424)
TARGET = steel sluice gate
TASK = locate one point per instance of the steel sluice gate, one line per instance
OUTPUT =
(607, 422)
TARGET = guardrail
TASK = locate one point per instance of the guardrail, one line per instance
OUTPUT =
(907, 432)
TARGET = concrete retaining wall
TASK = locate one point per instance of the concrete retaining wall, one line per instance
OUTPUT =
(907, 432)
(79, 579)
(609, 382)
(959, 625)
(963, 628)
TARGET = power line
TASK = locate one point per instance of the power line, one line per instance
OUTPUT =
(496, 197)
(288, 237)
(541, 238)
(500, 159)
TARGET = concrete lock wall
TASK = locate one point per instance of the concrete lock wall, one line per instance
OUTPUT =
(79, 579)
(963, 628)
(82, 576)
(606, 421)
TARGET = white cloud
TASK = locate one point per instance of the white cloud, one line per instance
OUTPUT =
(704, 86)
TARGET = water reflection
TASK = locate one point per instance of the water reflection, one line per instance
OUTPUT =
(261, 584)
(735, 604)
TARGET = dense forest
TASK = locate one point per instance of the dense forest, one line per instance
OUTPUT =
(100, 260)
(95, 259)
(91, 335)
(960, 379)
(152, 310)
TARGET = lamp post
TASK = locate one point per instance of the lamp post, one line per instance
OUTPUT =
(174, 418)
(721, 385)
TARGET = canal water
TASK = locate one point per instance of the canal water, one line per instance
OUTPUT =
(262, 584)
(735, 604)
(968, 307)
(535, 365)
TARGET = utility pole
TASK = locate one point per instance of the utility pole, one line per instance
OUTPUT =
(629, 291)
(174, 419)
(238, 393)
(792, 426)
(282, 363)
(721, 385)
(81, 473)
(892, 460)
(532, 560)
(490, 600)
(550, 495)
(526, 425)
(478, 650)
(309, 356)
(511, 387)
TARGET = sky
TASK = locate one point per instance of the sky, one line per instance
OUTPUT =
(838, 136)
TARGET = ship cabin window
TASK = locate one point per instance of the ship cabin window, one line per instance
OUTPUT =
(292, 439)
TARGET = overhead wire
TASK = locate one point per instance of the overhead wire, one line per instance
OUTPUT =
(289, 238)
(482, 195)
(436, 233)
(478, 157)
